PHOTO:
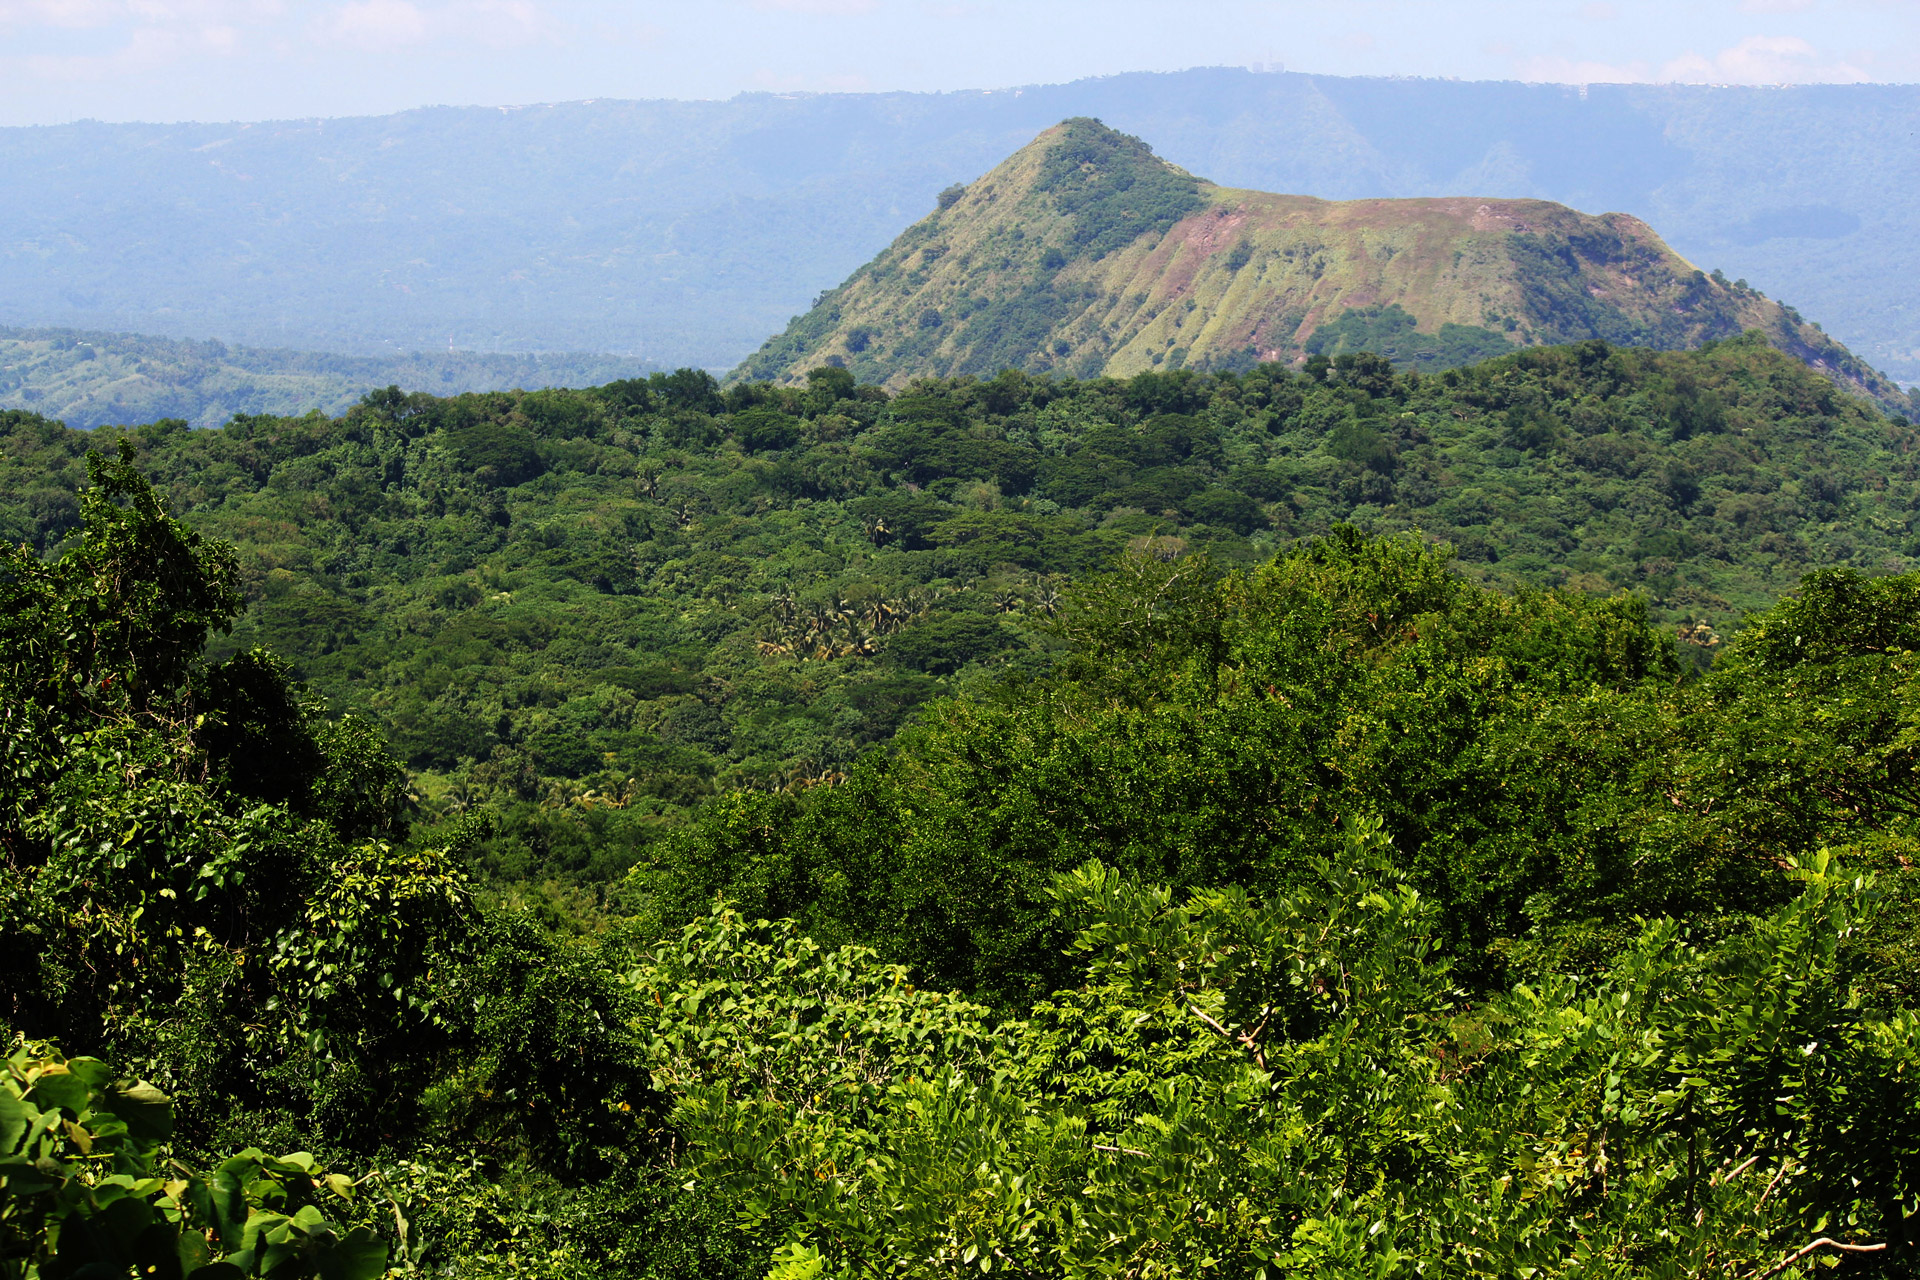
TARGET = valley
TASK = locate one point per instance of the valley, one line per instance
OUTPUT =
(91, 379)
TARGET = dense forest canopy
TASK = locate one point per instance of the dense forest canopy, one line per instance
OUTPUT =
(1257, 887)
(602, 606)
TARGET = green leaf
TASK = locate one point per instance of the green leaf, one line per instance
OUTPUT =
(147, 1112)
(360, 1255)
(58, 1087)
(15, 1118)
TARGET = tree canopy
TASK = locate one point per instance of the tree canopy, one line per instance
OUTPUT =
(602, 607)
(1327, 905)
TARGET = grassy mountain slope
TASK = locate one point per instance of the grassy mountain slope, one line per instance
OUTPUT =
(1085, 254)
(88, 379)
(600, 606)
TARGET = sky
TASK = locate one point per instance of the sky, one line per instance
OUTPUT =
(167, 60)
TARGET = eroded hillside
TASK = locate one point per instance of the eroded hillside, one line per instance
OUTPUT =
(1084, 254)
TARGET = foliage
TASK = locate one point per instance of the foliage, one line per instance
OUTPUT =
(789, 1022)
(1222, 961)
(1693, 1111)
(1111, 189)
(459, 1215)
(786, 1059)
(1544, 771)
(1308, 1072)
(137, 595)
(206, 879)
(792, 1064)
(1335, 912)
(1389, 331)
(83, 1190)
(692, 592)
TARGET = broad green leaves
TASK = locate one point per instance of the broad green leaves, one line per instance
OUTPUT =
(793, 1023)
(820, 1086)
(84, 1193)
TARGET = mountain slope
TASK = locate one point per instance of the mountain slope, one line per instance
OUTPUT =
(1084, 254)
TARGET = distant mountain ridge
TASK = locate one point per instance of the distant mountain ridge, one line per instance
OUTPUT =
(686, 232)
(88, 379)
(1085, 254)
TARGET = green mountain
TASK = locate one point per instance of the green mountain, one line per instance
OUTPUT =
(1085, 254)
(90, 379)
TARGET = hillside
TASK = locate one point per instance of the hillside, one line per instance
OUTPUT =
(1312, 913)
(686, 232)
(1085, 254)
(1319, 917)
(599, 607)
(88, 379)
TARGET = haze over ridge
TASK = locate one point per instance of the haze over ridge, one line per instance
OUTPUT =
(63, 60)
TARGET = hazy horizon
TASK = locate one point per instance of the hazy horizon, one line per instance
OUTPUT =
(234, 61)
(535, 105)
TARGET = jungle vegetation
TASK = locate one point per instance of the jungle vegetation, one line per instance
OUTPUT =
(593, 610)
(1297, 897)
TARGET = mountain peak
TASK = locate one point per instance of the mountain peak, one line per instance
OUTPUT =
(1110, 185)
(1085, 254)
(1102, 187)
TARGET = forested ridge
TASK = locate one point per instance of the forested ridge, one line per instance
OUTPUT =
(87, 379)
(1229, 876)
(599, 607)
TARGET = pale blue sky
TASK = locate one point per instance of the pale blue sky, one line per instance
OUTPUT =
(63, 60)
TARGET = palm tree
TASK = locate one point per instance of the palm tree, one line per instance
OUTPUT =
(1047, 598)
